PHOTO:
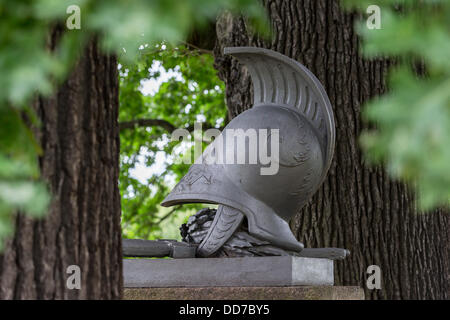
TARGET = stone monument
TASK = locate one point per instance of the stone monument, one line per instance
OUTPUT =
(245, 248)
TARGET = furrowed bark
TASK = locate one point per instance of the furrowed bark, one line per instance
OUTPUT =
(358, 207)
(80, 141)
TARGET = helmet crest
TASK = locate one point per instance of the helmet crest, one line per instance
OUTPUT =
(281, 81)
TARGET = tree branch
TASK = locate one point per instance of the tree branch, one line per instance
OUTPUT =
(201, 50)
(147, 123)
(168, 215)
(159, 123)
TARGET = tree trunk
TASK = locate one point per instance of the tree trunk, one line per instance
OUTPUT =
(80, 141)
(357, 207)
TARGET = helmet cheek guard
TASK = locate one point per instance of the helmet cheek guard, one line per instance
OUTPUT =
(210, 185)
(291, 103)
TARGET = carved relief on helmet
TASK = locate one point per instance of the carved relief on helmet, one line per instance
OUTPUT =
(197, 174)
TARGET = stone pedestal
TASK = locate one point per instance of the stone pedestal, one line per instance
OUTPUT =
(228, 272)
(265, 278)
(246, 293)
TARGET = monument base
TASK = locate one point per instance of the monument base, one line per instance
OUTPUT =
(274, 271)
(247, 278)
(246, 293)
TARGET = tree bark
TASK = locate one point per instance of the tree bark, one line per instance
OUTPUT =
(80, 141)
(358, 207)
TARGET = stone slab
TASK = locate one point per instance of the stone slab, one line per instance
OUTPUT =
(246, 293)
(228, 272)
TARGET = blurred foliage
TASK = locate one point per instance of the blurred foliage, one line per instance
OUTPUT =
(191, 92)
(29, 67)
(412, 135)
(18, 171)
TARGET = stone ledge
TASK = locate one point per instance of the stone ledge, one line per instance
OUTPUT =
(276, 271)
(246, 293)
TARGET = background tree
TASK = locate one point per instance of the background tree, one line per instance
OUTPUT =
(358, 207)
(79, 140)
(184, 89)
(75, 145)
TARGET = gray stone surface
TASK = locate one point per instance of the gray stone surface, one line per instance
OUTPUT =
(226, 272)
(246, 293)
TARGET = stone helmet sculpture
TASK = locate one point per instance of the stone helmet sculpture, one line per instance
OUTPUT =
(289, 99)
